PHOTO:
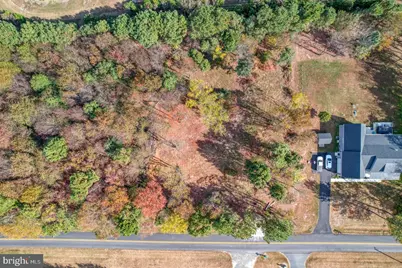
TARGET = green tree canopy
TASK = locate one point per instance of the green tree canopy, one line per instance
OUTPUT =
(6, 204)
(277, 229)
(57, 33)
(55, 149)
(278, 191)
(324, 116)
(10, 37)
(207, 21)
(174, 28)
(40, 82)
(199, 224)
(120, 27)
(128, 220)
(80, 182)
(258, 173)
(244, 67)
(146, 27)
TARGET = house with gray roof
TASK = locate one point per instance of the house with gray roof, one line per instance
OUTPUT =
(368, 154)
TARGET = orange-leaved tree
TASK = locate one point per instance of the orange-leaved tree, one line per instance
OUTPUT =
(150, 199)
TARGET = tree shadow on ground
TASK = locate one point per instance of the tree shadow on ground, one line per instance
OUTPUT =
(103, 12)
(320, 190)
(384, 69)
(362, 200)
(332, 126)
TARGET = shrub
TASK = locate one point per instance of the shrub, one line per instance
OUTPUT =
(55, 149)
(278, 191)
(169, 80)
(7, 72)
(40, 82)
(324, 116)
(199, 224)
(286, 57)
(26, 55)
(128, 221)
(80, 182)
(175, 224)
(244, 67)
(258, 173)
(285, 158)
(198, 58)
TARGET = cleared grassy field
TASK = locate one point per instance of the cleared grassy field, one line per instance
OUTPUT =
(363, 207)
(61, 8)
(113, 258)
(354, 259)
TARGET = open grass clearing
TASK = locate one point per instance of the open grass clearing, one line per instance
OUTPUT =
(354, 259)
(116, 258)
(274, 258)
(59, 9)
(339, 87)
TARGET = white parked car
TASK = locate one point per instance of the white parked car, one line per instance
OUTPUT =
(320, 163)
(328, 161)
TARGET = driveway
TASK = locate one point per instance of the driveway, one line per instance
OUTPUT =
(323, 226)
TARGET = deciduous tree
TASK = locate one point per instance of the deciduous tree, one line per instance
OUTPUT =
(150, 199)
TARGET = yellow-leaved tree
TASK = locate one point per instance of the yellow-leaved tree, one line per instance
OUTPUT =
(211, 106)
(175, 224)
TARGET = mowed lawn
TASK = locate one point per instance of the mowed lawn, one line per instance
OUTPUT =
(339, 87)
(354, 259)
(116, 258)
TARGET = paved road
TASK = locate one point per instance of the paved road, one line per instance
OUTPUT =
(302, 244)
(323, 226)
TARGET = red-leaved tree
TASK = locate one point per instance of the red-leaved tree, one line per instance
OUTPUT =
(150, 199)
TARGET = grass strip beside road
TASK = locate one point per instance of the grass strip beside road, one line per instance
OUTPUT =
(117, 258)
(354, 259)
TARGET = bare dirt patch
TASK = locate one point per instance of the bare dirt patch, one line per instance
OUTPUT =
(354, 259)
(274, 258)
(185, 131)
(362, 207)
(113, 258)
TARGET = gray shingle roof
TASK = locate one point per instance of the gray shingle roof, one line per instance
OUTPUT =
(354, 137)
(351, 165)
(376, 154)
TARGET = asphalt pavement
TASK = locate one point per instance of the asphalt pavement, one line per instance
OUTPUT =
(323, 226)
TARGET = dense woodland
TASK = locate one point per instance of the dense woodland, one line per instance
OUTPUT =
(75, 144)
